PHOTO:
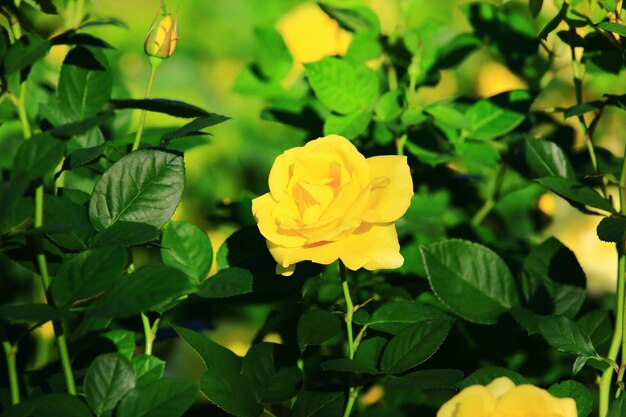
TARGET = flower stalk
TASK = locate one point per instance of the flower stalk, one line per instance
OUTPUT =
(10, 354)
(353, 393)
(154, 65)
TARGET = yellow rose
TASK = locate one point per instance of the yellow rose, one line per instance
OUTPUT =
(328, 202)
(162, 36)
(501, 398)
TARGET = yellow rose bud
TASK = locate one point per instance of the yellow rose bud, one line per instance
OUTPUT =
(328, 202)
(162, 36)
(501, 398)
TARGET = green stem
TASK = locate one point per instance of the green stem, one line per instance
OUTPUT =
(154, 64)
(619, 331)
(400, 144)
(10, 353)
(490, 203)
(45, 278)
(149, 332)
(349, 308)
(268, 412)
(21, 111)
(352, 397)
(353, 393)
(578, 89)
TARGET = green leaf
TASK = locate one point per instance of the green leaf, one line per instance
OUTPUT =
(546, 159)
(349, 126)
(84, 156)
(577, 391)
(124, 341)
(167, 397)
(68, 130)
(527, 319)
(581, 109)
(552, 280)
(498, 115)
(147, 369)
(274, 58)
(340, 86)
(317, 326)
(231, 392)
(470, 279)
(370, 350)
(554, 22)
(46, 6)
(146, 289)
(126, 234)
(108, 379)
(566, 335)
(38, 156)
(613, 27)
(612, 229)
(535, 7)
(215, 356)
(85, 83)
(194, 127)
(396, 316)
(478, 154)
(70, 218)
(226, 283)
(353, 16)
(27, 313)
(59, 405)
(597, 324)
(611, 6)
(318, 404)
(188, 248)
(576, 192)
(617, 408)
(349, 365)
(389, 106)
(484, 376)
(87, 274)
(144, 186)
(365, 46)
(414, 345)
(425, 380)
(451, 54)
(29, 49)
(160, 105)
(449, 117)
(275, 377)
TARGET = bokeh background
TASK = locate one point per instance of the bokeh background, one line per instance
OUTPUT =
(216, 41)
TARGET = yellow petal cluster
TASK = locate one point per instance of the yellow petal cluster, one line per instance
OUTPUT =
(501, 398)
(328, 202)
(162, 36)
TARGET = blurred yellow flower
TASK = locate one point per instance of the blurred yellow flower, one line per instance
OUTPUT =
(162, 36)
(328, 202)
(310, 34)
(501, 398)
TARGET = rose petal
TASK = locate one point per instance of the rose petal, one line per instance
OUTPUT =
(321, 253)
(373, 246)
(473, 401)
(391, 199)
(500, 386)
(526, 400)
(262, 208)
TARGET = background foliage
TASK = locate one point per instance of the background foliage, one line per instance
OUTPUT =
(509, 112)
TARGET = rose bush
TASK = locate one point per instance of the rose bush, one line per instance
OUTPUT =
(501, 398)
(328, 202)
